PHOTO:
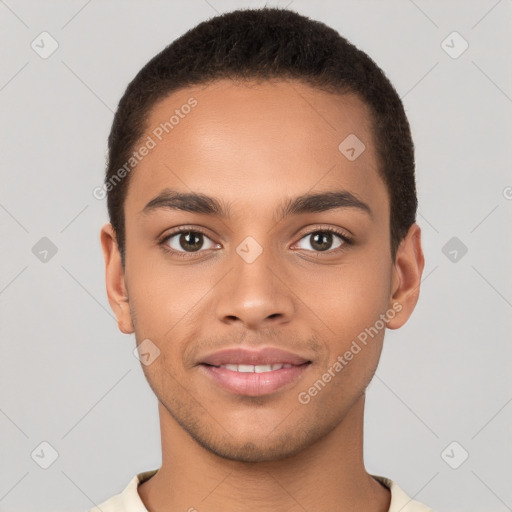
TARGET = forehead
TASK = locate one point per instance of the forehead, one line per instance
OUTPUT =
(256, 142)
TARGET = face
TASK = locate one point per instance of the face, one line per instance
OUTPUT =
(291, 251)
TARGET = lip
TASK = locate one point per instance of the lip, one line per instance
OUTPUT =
(253, 383)
(242, 355)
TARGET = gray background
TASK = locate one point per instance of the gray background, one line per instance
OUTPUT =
(68, 376)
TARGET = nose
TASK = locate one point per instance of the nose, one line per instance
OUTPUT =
(255, 293)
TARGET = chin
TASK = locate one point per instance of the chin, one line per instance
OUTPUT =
(250, 452)
(262, 449)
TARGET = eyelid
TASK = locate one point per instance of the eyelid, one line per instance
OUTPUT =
(342, 233)
(178, 231)
(345, 235)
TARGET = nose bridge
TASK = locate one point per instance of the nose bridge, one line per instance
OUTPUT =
(253, 291)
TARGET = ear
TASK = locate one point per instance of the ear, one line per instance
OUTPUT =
(115, 280)
(406, 280)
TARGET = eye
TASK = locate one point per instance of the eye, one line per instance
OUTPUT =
(324, 240)
(187, 241)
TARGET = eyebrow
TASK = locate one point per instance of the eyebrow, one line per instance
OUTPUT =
(169, 199)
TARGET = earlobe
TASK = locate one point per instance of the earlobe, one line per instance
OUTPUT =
(407, 271)
(115, 280)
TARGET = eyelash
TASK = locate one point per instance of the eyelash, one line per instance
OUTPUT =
(347, 240)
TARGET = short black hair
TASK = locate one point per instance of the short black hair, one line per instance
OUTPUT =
(267, 44)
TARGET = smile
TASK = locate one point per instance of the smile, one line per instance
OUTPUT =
(254, 380)
(258, 368)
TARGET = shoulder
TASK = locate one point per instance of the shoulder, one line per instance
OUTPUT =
(128, 499)
(400, 501)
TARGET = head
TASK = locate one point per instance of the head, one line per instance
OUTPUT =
(260, 45)
(261, 192)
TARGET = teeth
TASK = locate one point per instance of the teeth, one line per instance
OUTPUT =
(245, 368)
(265, 368)
(258, 368)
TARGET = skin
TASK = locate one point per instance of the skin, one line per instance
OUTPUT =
(252, 146)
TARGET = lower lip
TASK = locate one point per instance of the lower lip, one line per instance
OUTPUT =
(252, 383)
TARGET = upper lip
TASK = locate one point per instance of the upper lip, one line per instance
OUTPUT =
(240, 355)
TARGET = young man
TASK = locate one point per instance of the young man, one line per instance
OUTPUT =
(262, 201)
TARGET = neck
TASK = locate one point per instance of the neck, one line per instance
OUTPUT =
(329, 475)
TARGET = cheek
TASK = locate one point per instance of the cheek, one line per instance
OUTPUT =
(351, 297)
(162, 295)
(350, 306)
(166, 304)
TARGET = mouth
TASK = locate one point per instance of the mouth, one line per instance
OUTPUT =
(253, 373)
(254, 380)
(254, 368)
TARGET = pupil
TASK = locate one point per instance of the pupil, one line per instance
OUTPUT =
(317, 241)
(187, 239)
